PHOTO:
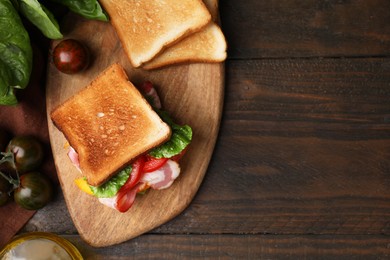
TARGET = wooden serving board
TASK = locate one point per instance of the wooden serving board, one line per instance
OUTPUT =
(192, 94)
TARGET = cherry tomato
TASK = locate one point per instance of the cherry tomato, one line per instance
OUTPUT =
(5, 187)
(70, 56)
(153, 164)
(28, 153)
(34, 192)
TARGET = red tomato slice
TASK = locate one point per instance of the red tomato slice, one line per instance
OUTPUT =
(125, 198)
(135, 175)
(127, 193)
(153, 164)
(177, 157)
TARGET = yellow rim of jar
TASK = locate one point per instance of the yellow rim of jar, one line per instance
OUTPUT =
(65, 244)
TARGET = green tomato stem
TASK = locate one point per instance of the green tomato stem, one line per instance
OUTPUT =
(9, 157)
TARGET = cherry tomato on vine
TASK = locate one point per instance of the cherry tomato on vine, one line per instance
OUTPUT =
(28, 153)
(34, 192)
(70, 56)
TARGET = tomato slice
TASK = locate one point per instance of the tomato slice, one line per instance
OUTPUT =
(152, 164)
(135, 175)
(177, 157)
(125, 198)
(127, 193)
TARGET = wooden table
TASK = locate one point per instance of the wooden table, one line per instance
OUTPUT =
(301, 168)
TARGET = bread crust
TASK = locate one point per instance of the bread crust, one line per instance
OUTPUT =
(109, 124)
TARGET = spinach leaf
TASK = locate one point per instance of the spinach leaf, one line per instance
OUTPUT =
(6, 94)
(16, 4)
(90, 9)
(111, 187)
(180, 138)
(15, 53)
(41, 17)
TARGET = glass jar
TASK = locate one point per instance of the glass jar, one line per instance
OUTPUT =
(40, 245)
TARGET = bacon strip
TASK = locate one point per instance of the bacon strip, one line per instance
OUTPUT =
(150, 92)
(74, 157)
(163, 177)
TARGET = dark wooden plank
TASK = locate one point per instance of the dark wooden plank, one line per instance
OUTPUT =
(241, 247)
(295, 28)
(304, 148)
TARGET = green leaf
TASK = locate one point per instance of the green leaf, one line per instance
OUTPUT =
(90, 9)
(15, 53)
(9, 99)
(41, 17)
(180, 138)
(16, 4)
(112, 186)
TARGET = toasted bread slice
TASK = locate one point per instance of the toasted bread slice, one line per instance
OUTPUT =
(109, 123)
(146, 27)
(207, 45)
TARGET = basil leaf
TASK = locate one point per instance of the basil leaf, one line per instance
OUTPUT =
(111, 187)
(15, 53)
(180, 138)
(41, 17)
(90, 9)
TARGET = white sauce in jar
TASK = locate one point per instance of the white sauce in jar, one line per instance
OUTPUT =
(37, 249)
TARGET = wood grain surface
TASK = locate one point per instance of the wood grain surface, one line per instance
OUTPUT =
(235, 246)
(193, 94)
(301, 165)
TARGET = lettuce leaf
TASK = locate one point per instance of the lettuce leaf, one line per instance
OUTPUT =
(110, 188)
(181, 137)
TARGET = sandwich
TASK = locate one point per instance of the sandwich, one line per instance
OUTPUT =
(147, 27)
(121, 143)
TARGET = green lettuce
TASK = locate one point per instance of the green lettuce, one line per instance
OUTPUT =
(180, 138)
(110, 188)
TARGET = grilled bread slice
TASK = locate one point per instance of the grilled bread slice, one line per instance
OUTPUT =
(146, 27)
(109, 123)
